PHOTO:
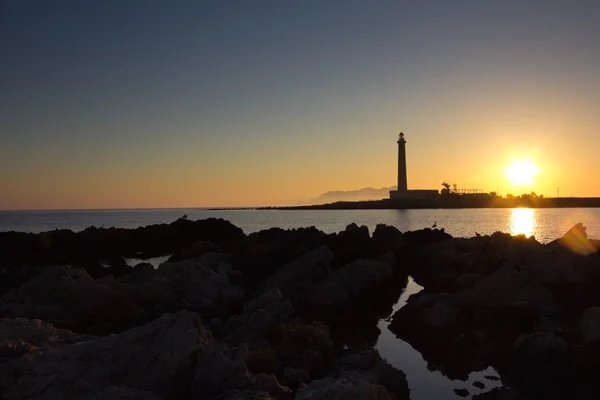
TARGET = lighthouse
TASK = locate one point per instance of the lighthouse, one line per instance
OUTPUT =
(402, 184)
(402, 193)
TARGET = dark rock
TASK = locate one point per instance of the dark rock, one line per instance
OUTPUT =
(258, 319)
(453, 265)
(345, 388)
(296, 376)
(20, 336)
(589, 325)
(156, 357)
(453, 331)
(351, 244)
(462, 392)
(370, 366)
(194, 250)
(71, 299)
(244, 395)
(269, 384)
(425, 236)
(203, 284)
(95, 244)
(117, 266)
(220, 368)
(491, 378)
(263, 361)
(467, 281)
(388, 237)
(543, 347)
(479, 385)
(261, 253)
(298, 277)
(502, 393)
(350, 281)
(305, 346)
(118, 393)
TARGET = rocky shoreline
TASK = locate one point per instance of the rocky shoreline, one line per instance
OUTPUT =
(292, 314)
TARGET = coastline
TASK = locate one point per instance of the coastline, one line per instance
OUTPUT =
(451, 202)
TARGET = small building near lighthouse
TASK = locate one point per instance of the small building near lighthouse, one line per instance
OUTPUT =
(402, 193)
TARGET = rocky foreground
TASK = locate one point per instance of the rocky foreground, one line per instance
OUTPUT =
(291, 314)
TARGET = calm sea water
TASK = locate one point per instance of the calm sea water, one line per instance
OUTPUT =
(545, 224)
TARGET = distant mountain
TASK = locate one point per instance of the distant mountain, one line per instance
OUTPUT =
(368, 193)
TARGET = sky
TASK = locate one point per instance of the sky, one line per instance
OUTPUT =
(148, 104)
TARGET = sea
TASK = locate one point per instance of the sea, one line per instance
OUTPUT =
(424, 381)
(545, 224)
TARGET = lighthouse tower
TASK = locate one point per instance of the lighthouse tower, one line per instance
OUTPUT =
(402, 194)
(402, 183)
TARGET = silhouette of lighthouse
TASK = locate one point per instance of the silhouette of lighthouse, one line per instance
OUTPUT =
(402, 184)
(402, 193)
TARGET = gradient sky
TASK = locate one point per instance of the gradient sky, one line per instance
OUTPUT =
(147, 103)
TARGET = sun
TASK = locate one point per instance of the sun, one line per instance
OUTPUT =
(521, 173)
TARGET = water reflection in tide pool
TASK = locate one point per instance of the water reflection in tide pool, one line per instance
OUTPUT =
(424, 384)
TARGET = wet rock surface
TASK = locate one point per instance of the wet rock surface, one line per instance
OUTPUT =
(292, 314)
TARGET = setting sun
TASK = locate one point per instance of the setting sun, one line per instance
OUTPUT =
(522, 172)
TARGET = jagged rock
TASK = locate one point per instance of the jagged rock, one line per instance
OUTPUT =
(364, 360)
(296, 376)
(353, 234)
(156, 357)
(221, 368)
(541, 347)
(305, 346)
(244, 395)
(425, 236)
(203, 284)
(20, 336)
(370, 366)
(259, 317)
(348, 282)
(503, 393)
(262, 252)
(119, 393)
(72, 299)
(589, 325)
(453, 265)
(467, 281)
(491, 378)
(193, 251)
(351, 244)
(268, 383)
(346, 388)
(95, 244)
(456, 331)
(218, 369)
(389, 237)
(299, 276)
(263, 360)
(117, 266)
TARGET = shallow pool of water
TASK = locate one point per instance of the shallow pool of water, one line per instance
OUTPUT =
(424, 384)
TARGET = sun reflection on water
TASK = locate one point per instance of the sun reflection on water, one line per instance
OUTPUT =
(522, 221)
